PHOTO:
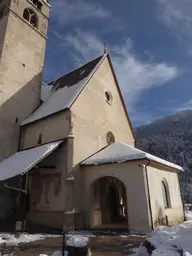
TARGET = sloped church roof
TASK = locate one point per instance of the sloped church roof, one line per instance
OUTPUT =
(65, 90)
(120, 152)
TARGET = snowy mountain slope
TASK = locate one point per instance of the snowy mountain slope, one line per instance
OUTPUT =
(171, 138)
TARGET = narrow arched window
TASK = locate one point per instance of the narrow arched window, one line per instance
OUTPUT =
(40, 139)
(165, 194)
(30, 16)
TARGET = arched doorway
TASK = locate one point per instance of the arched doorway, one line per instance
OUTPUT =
(108, 203)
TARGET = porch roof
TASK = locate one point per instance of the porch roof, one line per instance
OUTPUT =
(23, 161)
(120, 152)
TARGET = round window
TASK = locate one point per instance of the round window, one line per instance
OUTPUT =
(110, 138)
(108, 97)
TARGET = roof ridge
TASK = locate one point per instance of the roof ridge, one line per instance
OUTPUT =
(89, 77)
(70, 72)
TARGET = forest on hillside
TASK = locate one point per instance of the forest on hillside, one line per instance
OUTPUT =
(171, 138)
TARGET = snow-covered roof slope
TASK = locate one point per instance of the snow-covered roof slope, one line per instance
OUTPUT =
(64, 91)
(120, 152)
(23, 161)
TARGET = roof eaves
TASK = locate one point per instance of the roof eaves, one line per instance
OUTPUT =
(115, 162)
(174, 166)
(44, 117)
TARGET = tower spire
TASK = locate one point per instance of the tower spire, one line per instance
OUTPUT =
(105, 47)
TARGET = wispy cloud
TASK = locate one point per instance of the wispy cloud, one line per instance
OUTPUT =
(185, 106)
(68, 12)
(176, 14)
(134, 75)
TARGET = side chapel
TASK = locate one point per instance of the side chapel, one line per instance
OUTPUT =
(68, 158)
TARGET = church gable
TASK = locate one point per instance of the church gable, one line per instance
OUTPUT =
(99, 114)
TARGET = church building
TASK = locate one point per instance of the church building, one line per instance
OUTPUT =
(68, 158)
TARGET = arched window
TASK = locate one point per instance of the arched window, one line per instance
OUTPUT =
(165, 193)
(38, 4)
(30, 16)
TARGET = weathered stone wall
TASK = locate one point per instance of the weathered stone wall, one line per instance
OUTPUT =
(21, 65)
(22, 50)
(48, 191)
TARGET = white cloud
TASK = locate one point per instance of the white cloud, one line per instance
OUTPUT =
(134, 75)
(185, 106)
(176, 14)
(67, 12)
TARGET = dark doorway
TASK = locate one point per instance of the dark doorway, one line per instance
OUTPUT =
(108, 204)
(114, 203)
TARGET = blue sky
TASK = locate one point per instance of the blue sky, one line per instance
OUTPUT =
(150, 43)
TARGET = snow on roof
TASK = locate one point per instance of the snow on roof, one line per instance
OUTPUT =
(23, 161)
(64, 91)
(120, 152)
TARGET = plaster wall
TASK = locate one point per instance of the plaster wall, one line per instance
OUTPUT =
(52, 128)
(175, 212)
(93, 116)
(51, 193)
(132, 176)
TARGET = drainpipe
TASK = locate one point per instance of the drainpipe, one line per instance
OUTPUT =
(182, 199)
(149, 198)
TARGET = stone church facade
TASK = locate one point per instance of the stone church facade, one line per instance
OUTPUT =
(68, 156)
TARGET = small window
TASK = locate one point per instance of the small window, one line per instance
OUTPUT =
(38, 4)
(165, 193)
(108, 97)
(110, 138)
(40, 139)
(30, 16)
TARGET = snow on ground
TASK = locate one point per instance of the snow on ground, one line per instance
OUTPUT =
(188, 215)
(78, 241)
(15, 239)
(169, 240)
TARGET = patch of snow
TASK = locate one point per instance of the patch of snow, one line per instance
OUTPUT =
(70, 178)
(13, 240)
(78, 241)
(46, 91)
(71, 212)
(134, 249)
(55, 254)
(167, 241)
(79, 233)
(188, 215)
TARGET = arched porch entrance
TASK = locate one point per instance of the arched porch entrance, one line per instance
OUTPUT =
(108, 204)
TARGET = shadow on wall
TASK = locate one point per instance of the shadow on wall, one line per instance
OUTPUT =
(12, 113)
(161, 218)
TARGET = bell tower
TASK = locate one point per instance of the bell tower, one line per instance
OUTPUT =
(23, 36)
